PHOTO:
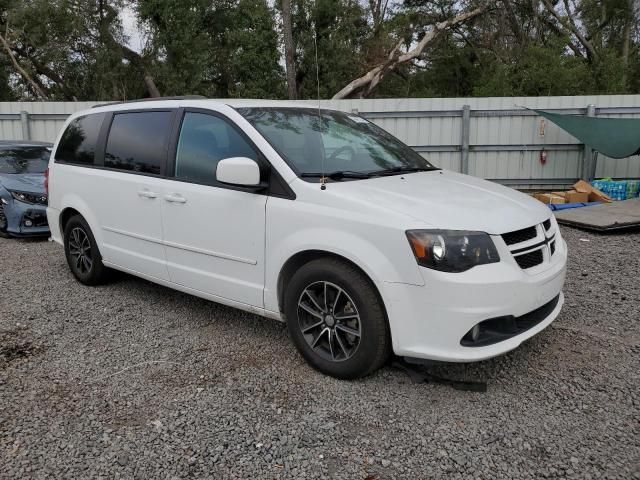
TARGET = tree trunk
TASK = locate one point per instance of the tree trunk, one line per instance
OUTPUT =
(570, 27)
(45, 70)
(136, 59)
(37, 90)
(107, 15)
(514, 23)
(370, 80)
(626, 43)
(289, 49)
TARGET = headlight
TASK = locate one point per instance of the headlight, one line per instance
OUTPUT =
(29, 197)
(451, 250)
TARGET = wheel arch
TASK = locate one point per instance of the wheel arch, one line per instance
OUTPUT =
(74, 205)
(299, 259)
(65, 216)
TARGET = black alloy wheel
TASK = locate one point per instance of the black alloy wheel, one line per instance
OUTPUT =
(81, 250)
(336, 319)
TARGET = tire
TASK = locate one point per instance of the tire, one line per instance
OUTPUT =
(4, 224)
(329, 343)
(81, 250)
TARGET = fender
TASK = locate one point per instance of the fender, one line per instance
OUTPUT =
(71, 200)
(357, 249)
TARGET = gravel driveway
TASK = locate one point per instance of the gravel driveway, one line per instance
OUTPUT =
(133, 380)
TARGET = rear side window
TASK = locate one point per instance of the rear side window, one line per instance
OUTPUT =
(137, 141)
(204, 141)
(78, 142)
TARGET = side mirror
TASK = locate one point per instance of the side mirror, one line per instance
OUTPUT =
(238, 171)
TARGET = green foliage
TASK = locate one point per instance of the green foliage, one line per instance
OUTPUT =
(77, 49)
(248, 54)
(538, 71)
(7, 94)
(226, 48)
(180, 43)
(339, 28)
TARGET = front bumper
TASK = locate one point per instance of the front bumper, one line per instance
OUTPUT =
(429, 322)
(25, 220)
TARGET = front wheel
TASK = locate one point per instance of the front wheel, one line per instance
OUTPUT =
(336, 319)
(4, 223)
(82, 252)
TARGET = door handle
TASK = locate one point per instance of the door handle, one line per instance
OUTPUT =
(146, 193)
(175, 198)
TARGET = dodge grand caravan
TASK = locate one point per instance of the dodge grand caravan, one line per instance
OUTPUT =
(314, 217)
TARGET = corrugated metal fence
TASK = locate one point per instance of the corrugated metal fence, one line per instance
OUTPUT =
(491, 138)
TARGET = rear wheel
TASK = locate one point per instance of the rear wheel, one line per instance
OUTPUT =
(336, 319)
(82, 252)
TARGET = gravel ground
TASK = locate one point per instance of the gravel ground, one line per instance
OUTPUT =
(133, 380)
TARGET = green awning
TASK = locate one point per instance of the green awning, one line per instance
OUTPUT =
(613, 137)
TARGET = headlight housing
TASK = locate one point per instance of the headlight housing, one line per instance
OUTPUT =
(452, 250)
(33, 198)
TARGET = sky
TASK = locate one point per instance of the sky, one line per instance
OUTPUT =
(130, 25)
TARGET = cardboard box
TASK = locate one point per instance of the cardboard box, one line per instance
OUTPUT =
(550, 198)
(594, 194)
(576, 197)
(573, 196)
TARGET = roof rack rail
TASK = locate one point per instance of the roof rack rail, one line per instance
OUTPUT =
(152, 99)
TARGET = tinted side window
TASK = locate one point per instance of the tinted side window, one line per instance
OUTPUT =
(137, 140)
(78, 142)
(204, 141)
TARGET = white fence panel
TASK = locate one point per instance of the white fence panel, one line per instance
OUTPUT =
(504, 140)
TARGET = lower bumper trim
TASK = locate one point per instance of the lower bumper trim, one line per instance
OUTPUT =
(495, 330)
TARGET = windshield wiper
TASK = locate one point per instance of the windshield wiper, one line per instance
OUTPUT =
(337, 175)
(394, 170)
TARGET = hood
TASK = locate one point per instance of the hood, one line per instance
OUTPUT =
(23, 182)
(449, 200)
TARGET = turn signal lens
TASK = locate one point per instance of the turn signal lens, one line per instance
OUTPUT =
(452, 250)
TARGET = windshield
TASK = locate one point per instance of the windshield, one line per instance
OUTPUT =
(24, 160)
(314, 143)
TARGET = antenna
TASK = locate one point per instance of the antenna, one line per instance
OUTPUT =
(323, 179)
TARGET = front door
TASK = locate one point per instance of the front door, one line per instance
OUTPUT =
(213, 234)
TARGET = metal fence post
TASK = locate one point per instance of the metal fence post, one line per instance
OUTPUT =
(464, 141)
(589, 155)
(26, 128)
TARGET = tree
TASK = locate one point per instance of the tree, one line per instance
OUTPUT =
(222, 49)
(289, 49)
(339, 31)
(78, 49)
(70, 49)
(365, 84)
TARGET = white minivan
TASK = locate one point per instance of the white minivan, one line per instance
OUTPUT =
(310, 216)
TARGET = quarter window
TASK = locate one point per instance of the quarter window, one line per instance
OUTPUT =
(204, 141)
(137, 141)
(78, 142)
